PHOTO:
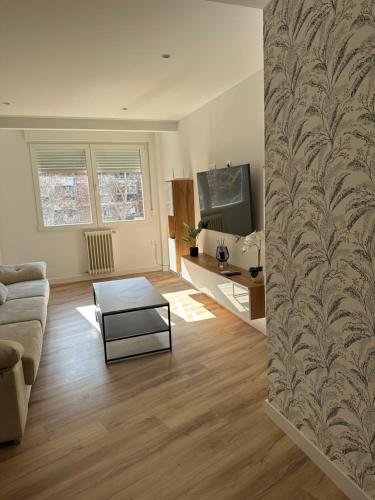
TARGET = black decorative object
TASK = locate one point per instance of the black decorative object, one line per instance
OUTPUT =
(256, 273)
(222, 253)
(194, 251)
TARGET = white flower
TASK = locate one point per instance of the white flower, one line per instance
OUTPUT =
(253, 239)
(255, 236)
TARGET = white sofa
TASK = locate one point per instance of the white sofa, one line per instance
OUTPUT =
(22, 323)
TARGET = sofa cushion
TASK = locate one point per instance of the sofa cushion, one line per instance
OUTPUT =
(3, 294)
(10, 353)
(22, 272)
(29, 309)
(29, 335)
(25, 289)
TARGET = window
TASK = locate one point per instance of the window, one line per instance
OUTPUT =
(88, 184)
(63, 186)
(120, 184)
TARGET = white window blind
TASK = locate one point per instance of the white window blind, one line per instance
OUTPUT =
(52, 160)
(118, 160)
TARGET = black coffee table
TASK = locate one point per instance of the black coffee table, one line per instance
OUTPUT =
(127, 308)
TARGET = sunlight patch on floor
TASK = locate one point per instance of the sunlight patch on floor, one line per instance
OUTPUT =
(88, 312)
(186, 308)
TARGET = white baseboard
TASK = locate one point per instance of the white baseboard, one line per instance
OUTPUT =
(116, 274)
(260, 325)
(342, 481)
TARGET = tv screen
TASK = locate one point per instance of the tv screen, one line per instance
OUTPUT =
(225, 199)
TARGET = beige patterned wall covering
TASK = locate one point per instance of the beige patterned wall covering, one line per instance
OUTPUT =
(320, 222)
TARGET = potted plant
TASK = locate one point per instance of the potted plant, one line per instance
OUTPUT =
(255, 240)
(193, 233)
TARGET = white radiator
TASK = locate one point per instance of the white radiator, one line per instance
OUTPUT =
(100, 251)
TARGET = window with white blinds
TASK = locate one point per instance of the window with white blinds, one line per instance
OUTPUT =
(88, 184)
(64, 188)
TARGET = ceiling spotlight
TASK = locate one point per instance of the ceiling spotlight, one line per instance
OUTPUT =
(124, 109)
(166, 56)
(6, 103)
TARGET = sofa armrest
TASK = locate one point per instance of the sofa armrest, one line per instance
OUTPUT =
(22, 272)
(10, 354)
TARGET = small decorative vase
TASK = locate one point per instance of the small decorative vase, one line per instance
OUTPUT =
(194, 251)
(222, 255)
(256, 274)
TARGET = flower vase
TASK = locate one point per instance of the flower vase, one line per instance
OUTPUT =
(194, 251)
(256, 274)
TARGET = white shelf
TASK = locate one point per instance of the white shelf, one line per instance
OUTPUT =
(228, 294)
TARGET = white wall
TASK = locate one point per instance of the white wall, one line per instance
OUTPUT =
(138, 244)
(174, 162)
(229, 128)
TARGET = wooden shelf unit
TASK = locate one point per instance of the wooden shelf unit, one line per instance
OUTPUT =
(211, 282)
(180, 202)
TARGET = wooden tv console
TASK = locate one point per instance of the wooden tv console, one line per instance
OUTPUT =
(239, 293)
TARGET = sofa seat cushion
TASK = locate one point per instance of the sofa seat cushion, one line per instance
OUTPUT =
(29, 335)
(29, 309)
(22, 272)
(26, 289)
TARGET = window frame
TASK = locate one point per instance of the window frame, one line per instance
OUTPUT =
(93, 183)
(145, 174)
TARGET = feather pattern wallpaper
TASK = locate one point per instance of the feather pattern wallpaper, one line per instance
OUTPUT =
(320, 224)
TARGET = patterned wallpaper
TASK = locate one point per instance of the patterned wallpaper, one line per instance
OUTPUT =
(320, 224)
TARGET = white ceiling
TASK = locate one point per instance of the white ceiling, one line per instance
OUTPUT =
(90, 58)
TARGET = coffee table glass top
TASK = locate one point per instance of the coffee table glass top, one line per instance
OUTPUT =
(128, 294)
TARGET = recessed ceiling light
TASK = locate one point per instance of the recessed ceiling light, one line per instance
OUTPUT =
(166, 56)
(124, 109)
(6, 103)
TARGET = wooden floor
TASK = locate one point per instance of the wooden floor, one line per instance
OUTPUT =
(186, 425)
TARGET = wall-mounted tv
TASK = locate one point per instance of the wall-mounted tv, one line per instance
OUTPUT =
(225, 199)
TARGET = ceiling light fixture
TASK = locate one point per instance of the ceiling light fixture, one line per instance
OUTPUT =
(124, 109)
(6, 103)
(166, 56)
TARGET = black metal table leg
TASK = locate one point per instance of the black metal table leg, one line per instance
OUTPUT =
(104, 339)
(169, 327)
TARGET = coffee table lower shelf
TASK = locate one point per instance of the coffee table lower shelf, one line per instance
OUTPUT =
(125, 325)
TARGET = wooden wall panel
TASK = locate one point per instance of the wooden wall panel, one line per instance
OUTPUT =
(183, 211)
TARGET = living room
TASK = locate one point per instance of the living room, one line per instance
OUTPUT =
(130, 368)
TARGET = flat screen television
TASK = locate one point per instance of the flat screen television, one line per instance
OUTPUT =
(225, 199)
